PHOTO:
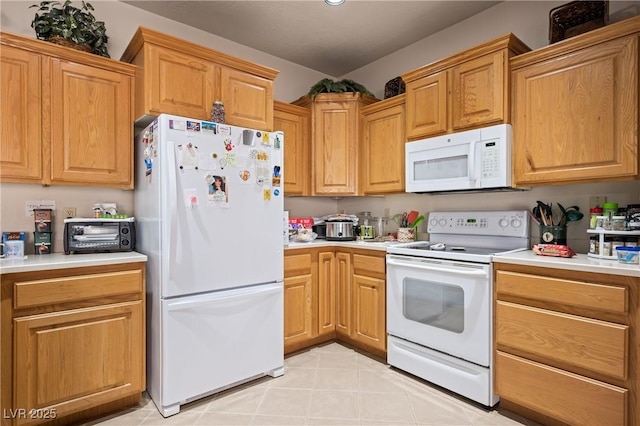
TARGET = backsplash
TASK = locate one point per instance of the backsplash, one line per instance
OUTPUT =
(568, 195)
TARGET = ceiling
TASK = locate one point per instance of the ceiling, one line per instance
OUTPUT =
(333, 40)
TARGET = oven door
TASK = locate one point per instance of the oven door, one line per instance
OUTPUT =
(441, 304)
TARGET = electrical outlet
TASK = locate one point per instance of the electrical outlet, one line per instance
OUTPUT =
(597, 200)
(68, 212)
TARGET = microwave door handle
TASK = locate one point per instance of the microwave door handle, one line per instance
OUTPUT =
(472, 272)
(472, 160)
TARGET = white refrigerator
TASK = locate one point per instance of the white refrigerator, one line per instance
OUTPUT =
(209, 209)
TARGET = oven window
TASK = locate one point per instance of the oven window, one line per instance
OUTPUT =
(441, 168)
(435, 304)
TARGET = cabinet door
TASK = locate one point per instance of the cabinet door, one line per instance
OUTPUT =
(369, 311)
(326, 292)
(91, 125)
(20, 116)
(427, 101)
(575, 118)
(382, 151)
(64, 360)
(335, 148)
(479, 91)
(248, 99)
(298, 296)
(177, 84)
(294, 121)
(343, 294)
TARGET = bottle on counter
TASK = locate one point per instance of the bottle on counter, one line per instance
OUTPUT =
(594, 212)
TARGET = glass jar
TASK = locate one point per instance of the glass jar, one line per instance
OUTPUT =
(606, 247)
(631, 241)
(618, 223)
(616, 242)
(217, 112)
(594, 212)
(594, 244)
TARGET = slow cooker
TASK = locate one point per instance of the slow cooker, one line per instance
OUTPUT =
(340, 230)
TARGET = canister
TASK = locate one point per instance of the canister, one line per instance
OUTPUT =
(594, 212)
(618, 223)
(609, 209)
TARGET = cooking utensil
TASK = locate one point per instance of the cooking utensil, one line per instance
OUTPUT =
(411, 217)
(418, 221)
(404, 223)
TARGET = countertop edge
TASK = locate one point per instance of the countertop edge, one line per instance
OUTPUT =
(33, 263)
(580, 263)
(379, 246)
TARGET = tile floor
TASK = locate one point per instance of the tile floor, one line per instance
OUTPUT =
(326, 385)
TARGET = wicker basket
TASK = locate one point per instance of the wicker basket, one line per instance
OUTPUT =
(577, 17)
(68, 43)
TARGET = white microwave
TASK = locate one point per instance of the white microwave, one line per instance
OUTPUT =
(472, 160)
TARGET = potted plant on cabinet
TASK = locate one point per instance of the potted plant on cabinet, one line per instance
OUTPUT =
(67, 25)
(327, 85)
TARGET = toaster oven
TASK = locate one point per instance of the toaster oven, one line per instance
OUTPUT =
(99, 235)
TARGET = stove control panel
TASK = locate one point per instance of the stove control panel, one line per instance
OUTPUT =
(510, 223)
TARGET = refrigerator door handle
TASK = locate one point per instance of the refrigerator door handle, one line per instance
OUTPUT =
(173, 188)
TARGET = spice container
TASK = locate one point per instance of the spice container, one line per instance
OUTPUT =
(603, 223)
(609, 209)
(606, 247)
(615, 243)
(217, 112)
(631, 241)
(594, 212)
(594, 244)
(618, 223)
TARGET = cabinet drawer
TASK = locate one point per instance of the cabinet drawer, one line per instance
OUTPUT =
(81, 287)
(575, 293)
(592, 344)
(565, 396)
(367, 265)
(297, 264)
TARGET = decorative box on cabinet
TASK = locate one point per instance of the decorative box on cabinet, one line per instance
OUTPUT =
(66, 116)
(382, 147)
(567, 345)
(73, 342)
(575, 109)
(464, 91)
(183, 78)
(295, 122)
(335, 134)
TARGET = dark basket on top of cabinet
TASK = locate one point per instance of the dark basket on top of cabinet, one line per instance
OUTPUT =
(577, 17)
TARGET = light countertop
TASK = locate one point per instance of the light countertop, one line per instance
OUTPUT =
(35, 262)
(381, 246)
(581, 263)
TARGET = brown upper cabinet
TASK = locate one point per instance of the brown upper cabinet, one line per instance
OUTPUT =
(575, 110)
(182, 78)
(464, 91)
(382, 147)
(295, 122)
(66, 117)
(335, 134)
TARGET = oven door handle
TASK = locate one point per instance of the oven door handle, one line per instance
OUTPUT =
(452, 270)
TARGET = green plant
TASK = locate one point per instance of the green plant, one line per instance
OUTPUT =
(68, 22)
(327, 85)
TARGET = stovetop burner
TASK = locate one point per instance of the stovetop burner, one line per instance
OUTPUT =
(490, 232)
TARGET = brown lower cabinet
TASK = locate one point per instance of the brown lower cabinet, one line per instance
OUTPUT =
(334, 294)
(73, 343)
(567, 345)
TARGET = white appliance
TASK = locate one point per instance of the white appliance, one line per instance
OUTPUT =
(439, 299)
(209, 210)
(476, 159)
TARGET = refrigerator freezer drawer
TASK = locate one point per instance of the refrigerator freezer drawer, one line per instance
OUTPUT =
(214, 340)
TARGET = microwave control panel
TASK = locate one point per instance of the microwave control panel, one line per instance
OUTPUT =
(490, 157)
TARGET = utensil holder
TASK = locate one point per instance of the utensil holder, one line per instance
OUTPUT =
(556, 234)
(406, 235)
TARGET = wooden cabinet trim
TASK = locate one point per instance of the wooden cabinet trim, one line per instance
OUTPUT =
(600, 35)
(507, 41)
(146, 35)
(70, 289)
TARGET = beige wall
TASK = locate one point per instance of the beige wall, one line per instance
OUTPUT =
(527, 19)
